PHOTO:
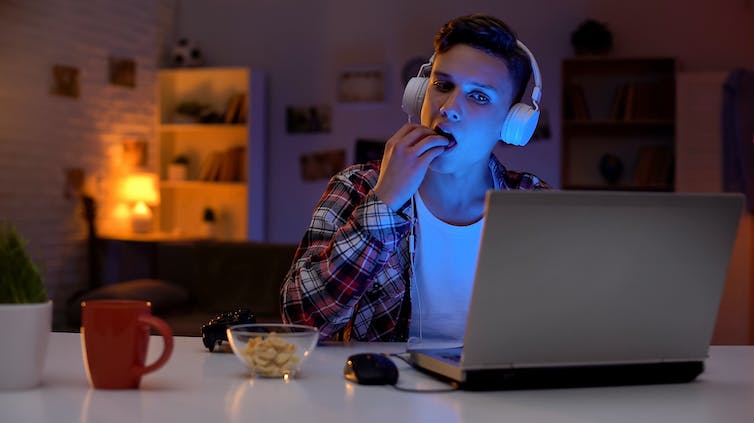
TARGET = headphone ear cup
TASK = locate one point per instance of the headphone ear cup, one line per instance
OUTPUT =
(413, 96)
(519, 124)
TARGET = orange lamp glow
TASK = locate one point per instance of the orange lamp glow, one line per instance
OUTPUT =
(139, 190)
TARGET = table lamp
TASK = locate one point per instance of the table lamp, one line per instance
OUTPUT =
(139, 190)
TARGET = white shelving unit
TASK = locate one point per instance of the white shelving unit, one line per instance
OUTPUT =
(238, 203)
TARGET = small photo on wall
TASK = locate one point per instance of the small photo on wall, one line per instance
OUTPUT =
(65, 81)
(307, 119)
(122, 71)
(369, 150)
(322, 164)
(134, 153)
(361, 85)
(74, 182)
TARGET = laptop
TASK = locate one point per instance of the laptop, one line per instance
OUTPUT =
(592, 288)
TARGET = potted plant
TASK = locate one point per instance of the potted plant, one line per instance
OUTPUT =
(178, 168)
(208, 221)
(25, 314)
(592, 37)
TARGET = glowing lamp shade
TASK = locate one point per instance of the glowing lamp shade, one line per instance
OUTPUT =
(139, 190)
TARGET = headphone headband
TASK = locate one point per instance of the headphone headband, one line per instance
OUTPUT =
(536, 93)
(425, 68)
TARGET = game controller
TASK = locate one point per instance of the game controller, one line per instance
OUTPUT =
(213, 332)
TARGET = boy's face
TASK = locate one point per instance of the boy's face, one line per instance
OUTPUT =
(468, 96)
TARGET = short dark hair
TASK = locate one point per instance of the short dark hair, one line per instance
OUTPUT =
(491, 35)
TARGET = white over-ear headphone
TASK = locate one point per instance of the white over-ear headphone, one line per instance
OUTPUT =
(519, 124)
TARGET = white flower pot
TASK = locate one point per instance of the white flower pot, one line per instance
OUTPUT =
(25, 333)
(209, 229)
(177, 172)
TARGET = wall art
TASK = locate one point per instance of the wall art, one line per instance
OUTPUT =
(65, 81)
(303, 119)
(365, 84)
(322, 164)
(122, 72)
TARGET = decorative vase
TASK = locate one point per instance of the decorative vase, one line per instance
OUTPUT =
(611, 168)
(25, 331)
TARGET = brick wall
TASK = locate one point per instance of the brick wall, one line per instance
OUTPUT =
(42, 134)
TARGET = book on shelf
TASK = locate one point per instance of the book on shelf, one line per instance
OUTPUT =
(643, 100)
(243, 109)
(224, 166)
(231, 165)
(638, 103)
(618, 108)
(240, 164)
(234, 112)
(210, 167)
(576, 106)
(654, 167)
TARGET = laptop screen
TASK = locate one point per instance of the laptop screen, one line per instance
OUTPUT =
(568, 277)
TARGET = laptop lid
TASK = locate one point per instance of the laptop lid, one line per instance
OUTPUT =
(580, 278)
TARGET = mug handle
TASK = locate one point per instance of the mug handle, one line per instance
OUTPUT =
(167, 337)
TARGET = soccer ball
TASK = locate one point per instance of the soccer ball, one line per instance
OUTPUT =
(186, 53)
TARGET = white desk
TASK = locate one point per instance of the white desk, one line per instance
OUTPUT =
(198, 386)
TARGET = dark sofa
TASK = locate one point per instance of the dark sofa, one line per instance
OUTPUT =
(190, 282)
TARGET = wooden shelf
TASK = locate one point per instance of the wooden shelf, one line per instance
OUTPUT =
(197, 127)
(154, 236)
(613, 64)
(202, 185)
(619, 123)
(225, 162)
(622, 110)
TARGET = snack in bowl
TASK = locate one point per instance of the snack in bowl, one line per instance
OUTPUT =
(272, 350)
(270, 357)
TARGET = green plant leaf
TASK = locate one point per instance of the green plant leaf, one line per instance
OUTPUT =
(20, 279)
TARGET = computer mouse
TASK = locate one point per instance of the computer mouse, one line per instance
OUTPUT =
(371, 369)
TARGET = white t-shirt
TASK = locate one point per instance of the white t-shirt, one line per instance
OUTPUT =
(445, 262)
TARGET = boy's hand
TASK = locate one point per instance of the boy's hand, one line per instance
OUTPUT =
(408, 154)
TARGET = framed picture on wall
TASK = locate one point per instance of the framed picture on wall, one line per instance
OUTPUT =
(361, 84)
(122, 71)
(368, 150)
(303, 119)
(65, 81)
(322, 164)
(134, 153)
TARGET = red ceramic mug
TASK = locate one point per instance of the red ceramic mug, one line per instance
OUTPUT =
(114, 339)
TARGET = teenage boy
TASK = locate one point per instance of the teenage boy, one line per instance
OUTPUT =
(392, 246)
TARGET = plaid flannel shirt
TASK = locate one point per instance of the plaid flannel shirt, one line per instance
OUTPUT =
(350, 275)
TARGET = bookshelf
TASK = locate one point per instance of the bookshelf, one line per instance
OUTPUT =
(623, 108)
(224, 145)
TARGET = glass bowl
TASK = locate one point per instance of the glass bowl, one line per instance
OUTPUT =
(273, 350)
